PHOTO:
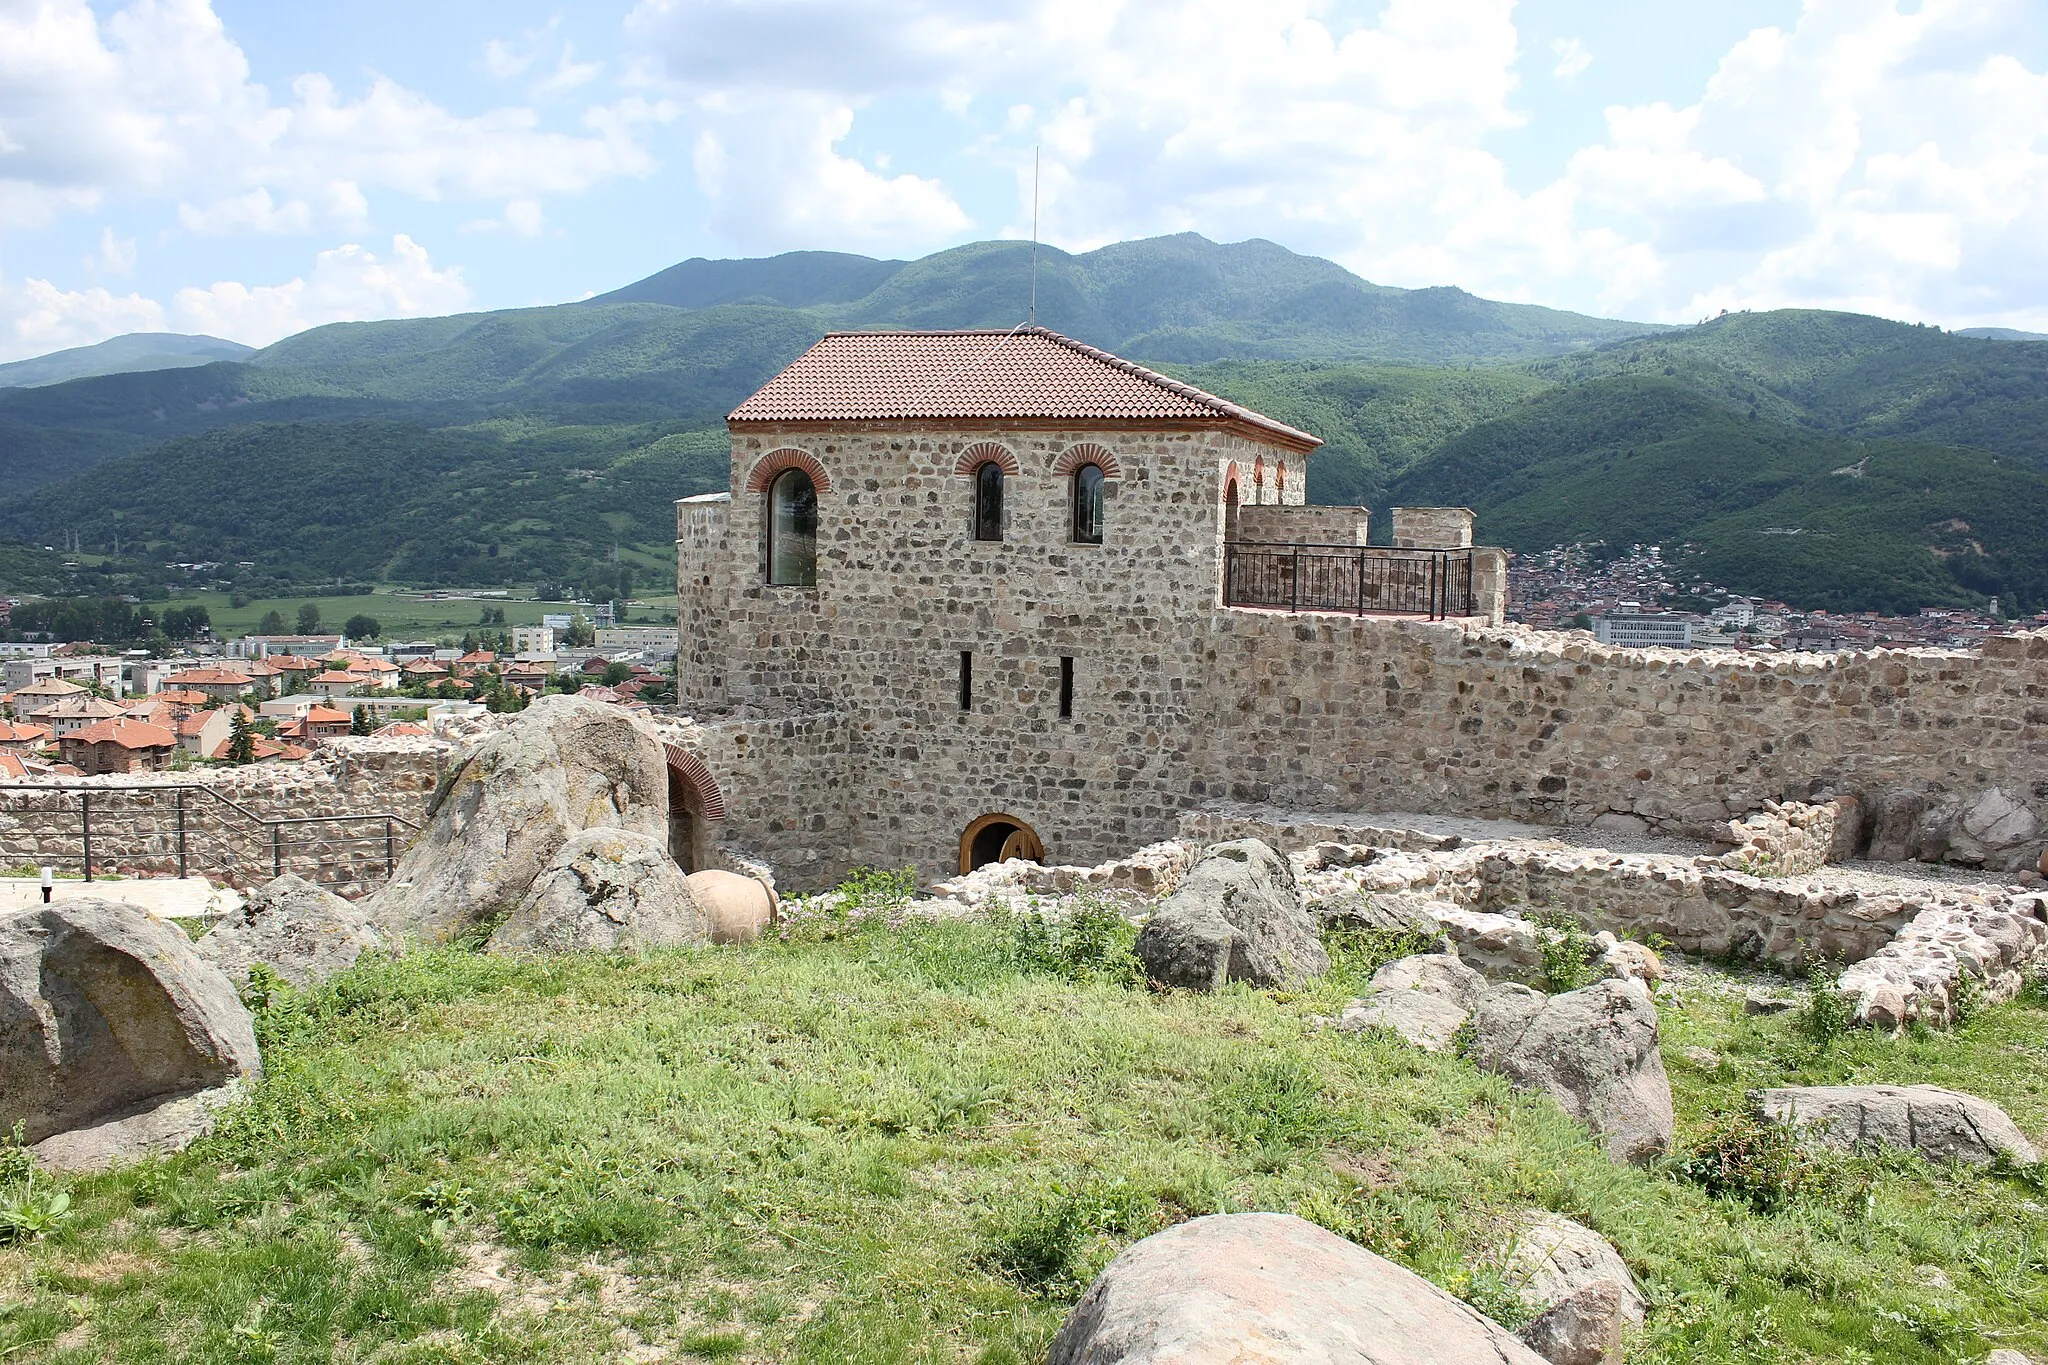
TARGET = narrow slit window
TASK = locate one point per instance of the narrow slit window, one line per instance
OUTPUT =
(1087, 520)
(966, 679)
(792, 530)
(1066, 687)
(988, 502)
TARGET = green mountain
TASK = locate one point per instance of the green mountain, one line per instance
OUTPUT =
(1752, 504)
(134, 352)
(550, 442)
(2000, 334)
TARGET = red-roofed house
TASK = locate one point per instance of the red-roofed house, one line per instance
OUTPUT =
(119, 746)
(317, 725)
(218, 683)
(21, 737)
(475, 661)
(334, 683)
(202, 733)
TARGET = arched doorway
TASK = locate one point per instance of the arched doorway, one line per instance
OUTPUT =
(997, 838)
(695, 809)
(1230, 506)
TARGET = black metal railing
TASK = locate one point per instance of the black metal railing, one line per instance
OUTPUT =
(1359, 579)
(183, 828)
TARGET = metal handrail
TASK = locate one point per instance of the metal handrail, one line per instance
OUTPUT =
(273, 826)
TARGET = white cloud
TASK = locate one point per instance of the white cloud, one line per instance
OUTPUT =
(346, 284)
(1572, 59)
(38, 317)
(255, 211)
(116, 255)
(157, 99)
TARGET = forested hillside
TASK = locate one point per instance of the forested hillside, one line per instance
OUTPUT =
(547, 442)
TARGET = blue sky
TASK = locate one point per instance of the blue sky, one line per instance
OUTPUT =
(248, 169)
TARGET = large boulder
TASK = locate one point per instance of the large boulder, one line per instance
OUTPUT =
(1424, 999)
(604, 889)
(107, 1015)
(564, 765)
(1268, 1289)
(1594, 1051)
(1937, 1123)
(1237, 916)
(1997, 831)
(301, 931)
(736, 908)
(1584, 1298)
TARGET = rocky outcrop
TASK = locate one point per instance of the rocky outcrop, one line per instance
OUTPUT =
(1584, 1298)
(1594, 1051)
(1236, 916)
(1424, 999)
(1938, 1124)
(1996, 831)
(1271, 1289)
(564, 765)
(298, 930)
(736, 909)
(604, 890)
(107, 1016)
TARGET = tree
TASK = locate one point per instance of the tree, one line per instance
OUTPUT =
(241, 740)
(581, 633)
(616, 673)
(361, 627)
(309, 618)
(359, 723)
(271, 624)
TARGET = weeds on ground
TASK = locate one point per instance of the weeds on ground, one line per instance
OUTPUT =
(1091, 942)
(1827, 1015)
(869, 897)
(27, 1212)
(1568, 951)
(1356, 952)
(1759, 1161)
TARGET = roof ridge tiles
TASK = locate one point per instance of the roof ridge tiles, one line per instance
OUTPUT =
(848, 376)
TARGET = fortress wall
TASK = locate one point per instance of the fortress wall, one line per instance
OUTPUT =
(1339, 713)
(790, 791)
(137, 831)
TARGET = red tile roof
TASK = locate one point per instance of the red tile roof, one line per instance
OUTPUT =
(335, 675)
(179, 697)
(18, 733)
(210, 677)
(1025, 374)
(129, 734)
(327, 715)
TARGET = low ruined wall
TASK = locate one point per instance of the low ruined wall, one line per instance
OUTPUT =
(1789, 839)
(1946, 750)
(137, 832)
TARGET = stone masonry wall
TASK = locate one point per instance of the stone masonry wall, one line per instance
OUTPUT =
(1347, 714)
(136, 832)
(903, 590)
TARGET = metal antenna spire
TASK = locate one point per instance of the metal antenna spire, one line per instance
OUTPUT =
(1034, 236)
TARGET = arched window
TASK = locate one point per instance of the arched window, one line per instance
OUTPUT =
(792, 530)
(1281, 482)
(988, 502)
(1088, 505)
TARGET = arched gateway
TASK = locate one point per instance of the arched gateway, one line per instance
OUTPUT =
(695, 809)
(996, 838)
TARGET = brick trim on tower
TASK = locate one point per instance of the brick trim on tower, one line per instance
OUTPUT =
(789, 457)
(983, 452)
(691, 769)
(1087, 452)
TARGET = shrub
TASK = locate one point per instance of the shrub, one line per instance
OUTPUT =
(1760, 1162)
(1827, 1014)
(1092, 943)
(1568, 951)
(1965, 998)
(1356, 952)
(1040, 1247)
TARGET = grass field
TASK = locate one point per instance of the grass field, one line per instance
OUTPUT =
(918, 1144)
(402, 614)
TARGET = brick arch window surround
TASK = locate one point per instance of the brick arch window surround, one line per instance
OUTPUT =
(986, 452)
(692, 773)
(1073, 457)
(775, 461)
